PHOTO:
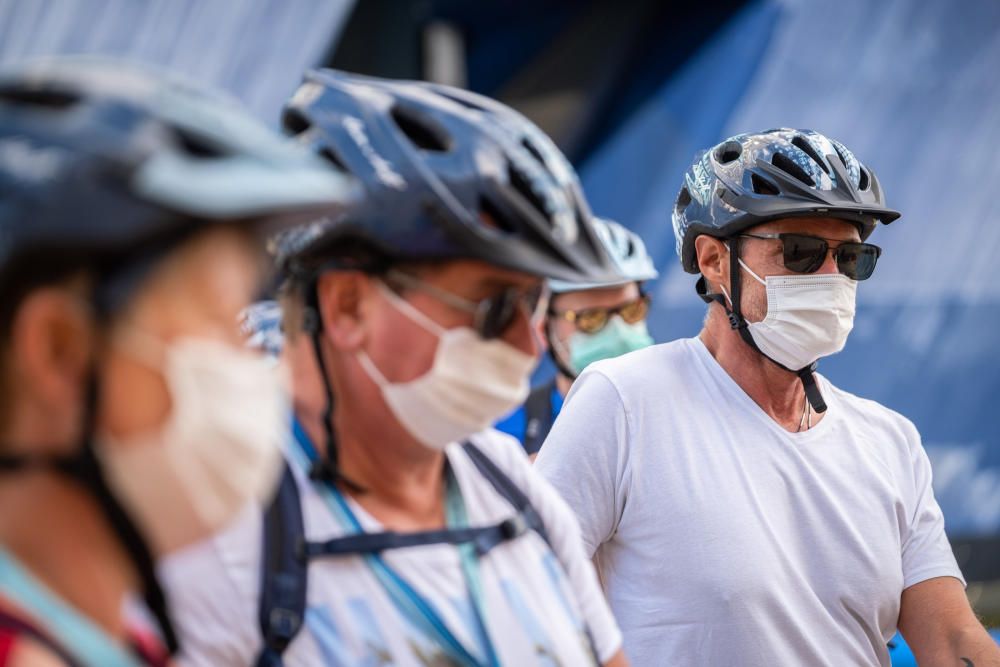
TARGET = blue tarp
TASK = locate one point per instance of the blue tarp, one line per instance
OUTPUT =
(910, 85)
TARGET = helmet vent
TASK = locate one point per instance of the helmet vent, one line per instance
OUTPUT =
(196, 146)
(52, 99)
(803, 145)
(762, 186)
(843, 156)
(523, 188)
(864, 181)
(531, 148)
(728, 152)
(424, 135)
(330, 156)
(294, 122)
(683, 199)
(789, 166)
(492, 216)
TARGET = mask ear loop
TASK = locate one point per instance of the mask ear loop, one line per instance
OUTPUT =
(740, 325)
(326, 467)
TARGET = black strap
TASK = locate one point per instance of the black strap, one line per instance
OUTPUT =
(20, 627)
(538, 417)
(284, 572)
(739, 324)
(483, 539)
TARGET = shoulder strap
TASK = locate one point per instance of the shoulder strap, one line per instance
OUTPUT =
(12, 626)
(538, 417)
(506, 487)
(284, 572)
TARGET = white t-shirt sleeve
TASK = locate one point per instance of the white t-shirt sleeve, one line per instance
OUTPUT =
(585, 456)
(215, 620)
(564, 537)
(926, 550)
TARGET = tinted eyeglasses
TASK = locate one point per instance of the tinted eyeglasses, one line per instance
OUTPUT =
(493, 315)
(592, 320)
(805, 254)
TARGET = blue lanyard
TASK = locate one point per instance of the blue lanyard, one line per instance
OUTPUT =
(410, 604)
(75, 633)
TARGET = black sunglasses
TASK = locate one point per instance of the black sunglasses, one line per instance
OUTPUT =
(805, 254)
(493, 315)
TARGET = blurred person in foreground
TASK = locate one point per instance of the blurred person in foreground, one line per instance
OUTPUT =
(742, 509)
(132, 215)
(406, 531)
(587, 322)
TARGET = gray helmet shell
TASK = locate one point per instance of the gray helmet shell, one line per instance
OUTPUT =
(753, 178)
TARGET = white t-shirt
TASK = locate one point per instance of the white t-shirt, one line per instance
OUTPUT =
(534, 606)
(722, 539)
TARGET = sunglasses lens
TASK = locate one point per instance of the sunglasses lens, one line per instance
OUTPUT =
(496, 314)
(803, 254)
(591, 321)
(857, 260)
(636, 311)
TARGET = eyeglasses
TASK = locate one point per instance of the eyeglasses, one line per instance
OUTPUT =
(493, 315)
(805, 254)
(592, 320)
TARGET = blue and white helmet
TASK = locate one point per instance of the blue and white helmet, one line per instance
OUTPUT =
(752, 178)
(628, 254)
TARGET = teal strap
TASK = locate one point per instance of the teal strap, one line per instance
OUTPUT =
(457, 518)
(410, 604)
(77, 634)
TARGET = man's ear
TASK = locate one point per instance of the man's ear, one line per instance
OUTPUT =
(713, 260)
(341, 295)
(52, 347)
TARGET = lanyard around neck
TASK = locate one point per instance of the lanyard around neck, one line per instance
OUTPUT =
(419, 611)
(77, 634)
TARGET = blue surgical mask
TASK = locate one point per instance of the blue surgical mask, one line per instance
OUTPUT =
(615, 339)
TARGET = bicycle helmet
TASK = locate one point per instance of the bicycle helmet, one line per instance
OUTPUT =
(448, 174)
(98, 158)
(105, 166)
(626, 250)
(752, 178)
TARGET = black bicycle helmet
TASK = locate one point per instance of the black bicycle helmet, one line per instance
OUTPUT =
(752, 178)
(447, 174)
(105, 166)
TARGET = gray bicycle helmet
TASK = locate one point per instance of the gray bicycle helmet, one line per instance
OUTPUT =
(752, 178)
(627, 251)
(447, 174)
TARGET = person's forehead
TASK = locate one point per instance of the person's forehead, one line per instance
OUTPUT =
(601, 297)
(831, 228)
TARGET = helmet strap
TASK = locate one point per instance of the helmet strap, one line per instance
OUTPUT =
(739, 324)
(84, 467)
(326, 467)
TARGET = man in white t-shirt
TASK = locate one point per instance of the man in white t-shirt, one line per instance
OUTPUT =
(405, 531)
(741, 509)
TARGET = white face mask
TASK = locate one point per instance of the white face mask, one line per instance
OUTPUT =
(808, 317)
(218, 450)
(472, 382)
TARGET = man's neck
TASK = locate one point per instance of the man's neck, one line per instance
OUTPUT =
(563, 384)
(778, 392)
(66, 544)
(403, 480)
